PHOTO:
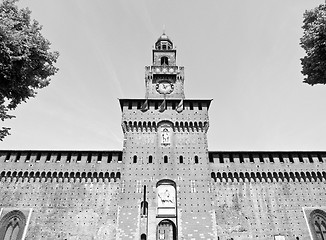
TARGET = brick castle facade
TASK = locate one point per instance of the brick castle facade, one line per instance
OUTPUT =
(164, 184)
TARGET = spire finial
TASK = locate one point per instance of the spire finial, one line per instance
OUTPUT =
(164, 28)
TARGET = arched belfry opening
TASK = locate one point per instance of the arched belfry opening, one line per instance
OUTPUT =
(164, 61)
(166, 230)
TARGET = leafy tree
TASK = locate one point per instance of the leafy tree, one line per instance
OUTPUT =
(26, 62)
(314, 43)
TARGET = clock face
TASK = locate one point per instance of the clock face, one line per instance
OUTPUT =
(164, 87)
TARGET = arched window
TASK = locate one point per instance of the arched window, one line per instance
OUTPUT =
(164, 60)
(165, 159)
(181, 159)
(196, 159)
(135, 159)
(143, 236)
(12, 225)
(166, 229)
(318, 224)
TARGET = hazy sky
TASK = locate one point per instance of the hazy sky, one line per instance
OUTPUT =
(243, 54)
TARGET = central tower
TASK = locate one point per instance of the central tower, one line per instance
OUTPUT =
(165, 157)
(164, 78)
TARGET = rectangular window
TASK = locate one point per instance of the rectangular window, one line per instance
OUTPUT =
(220, 156)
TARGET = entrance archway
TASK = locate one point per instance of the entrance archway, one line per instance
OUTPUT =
(166, 230)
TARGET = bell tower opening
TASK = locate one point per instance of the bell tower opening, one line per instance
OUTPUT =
(164, 61)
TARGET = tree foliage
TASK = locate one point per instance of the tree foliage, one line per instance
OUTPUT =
(314, 43)
(26, 62)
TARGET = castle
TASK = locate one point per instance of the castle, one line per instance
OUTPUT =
(164, 184)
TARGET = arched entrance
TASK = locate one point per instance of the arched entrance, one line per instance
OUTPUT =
(166, 230)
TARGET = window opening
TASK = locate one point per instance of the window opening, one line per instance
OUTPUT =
(165, 159)
(150, 159)
(200, 106)
(129, 105)
(164, 60)
(135, 159)
(196, 160)
(180, 159)
(241, 159)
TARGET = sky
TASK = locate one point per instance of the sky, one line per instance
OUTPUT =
(245, 55)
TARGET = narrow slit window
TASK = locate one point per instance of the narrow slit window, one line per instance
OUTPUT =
(180, 159)
(165, 159)
(135, 159)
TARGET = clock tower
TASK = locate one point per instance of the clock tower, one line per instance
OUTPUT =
(164, 78)
(166, 180)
